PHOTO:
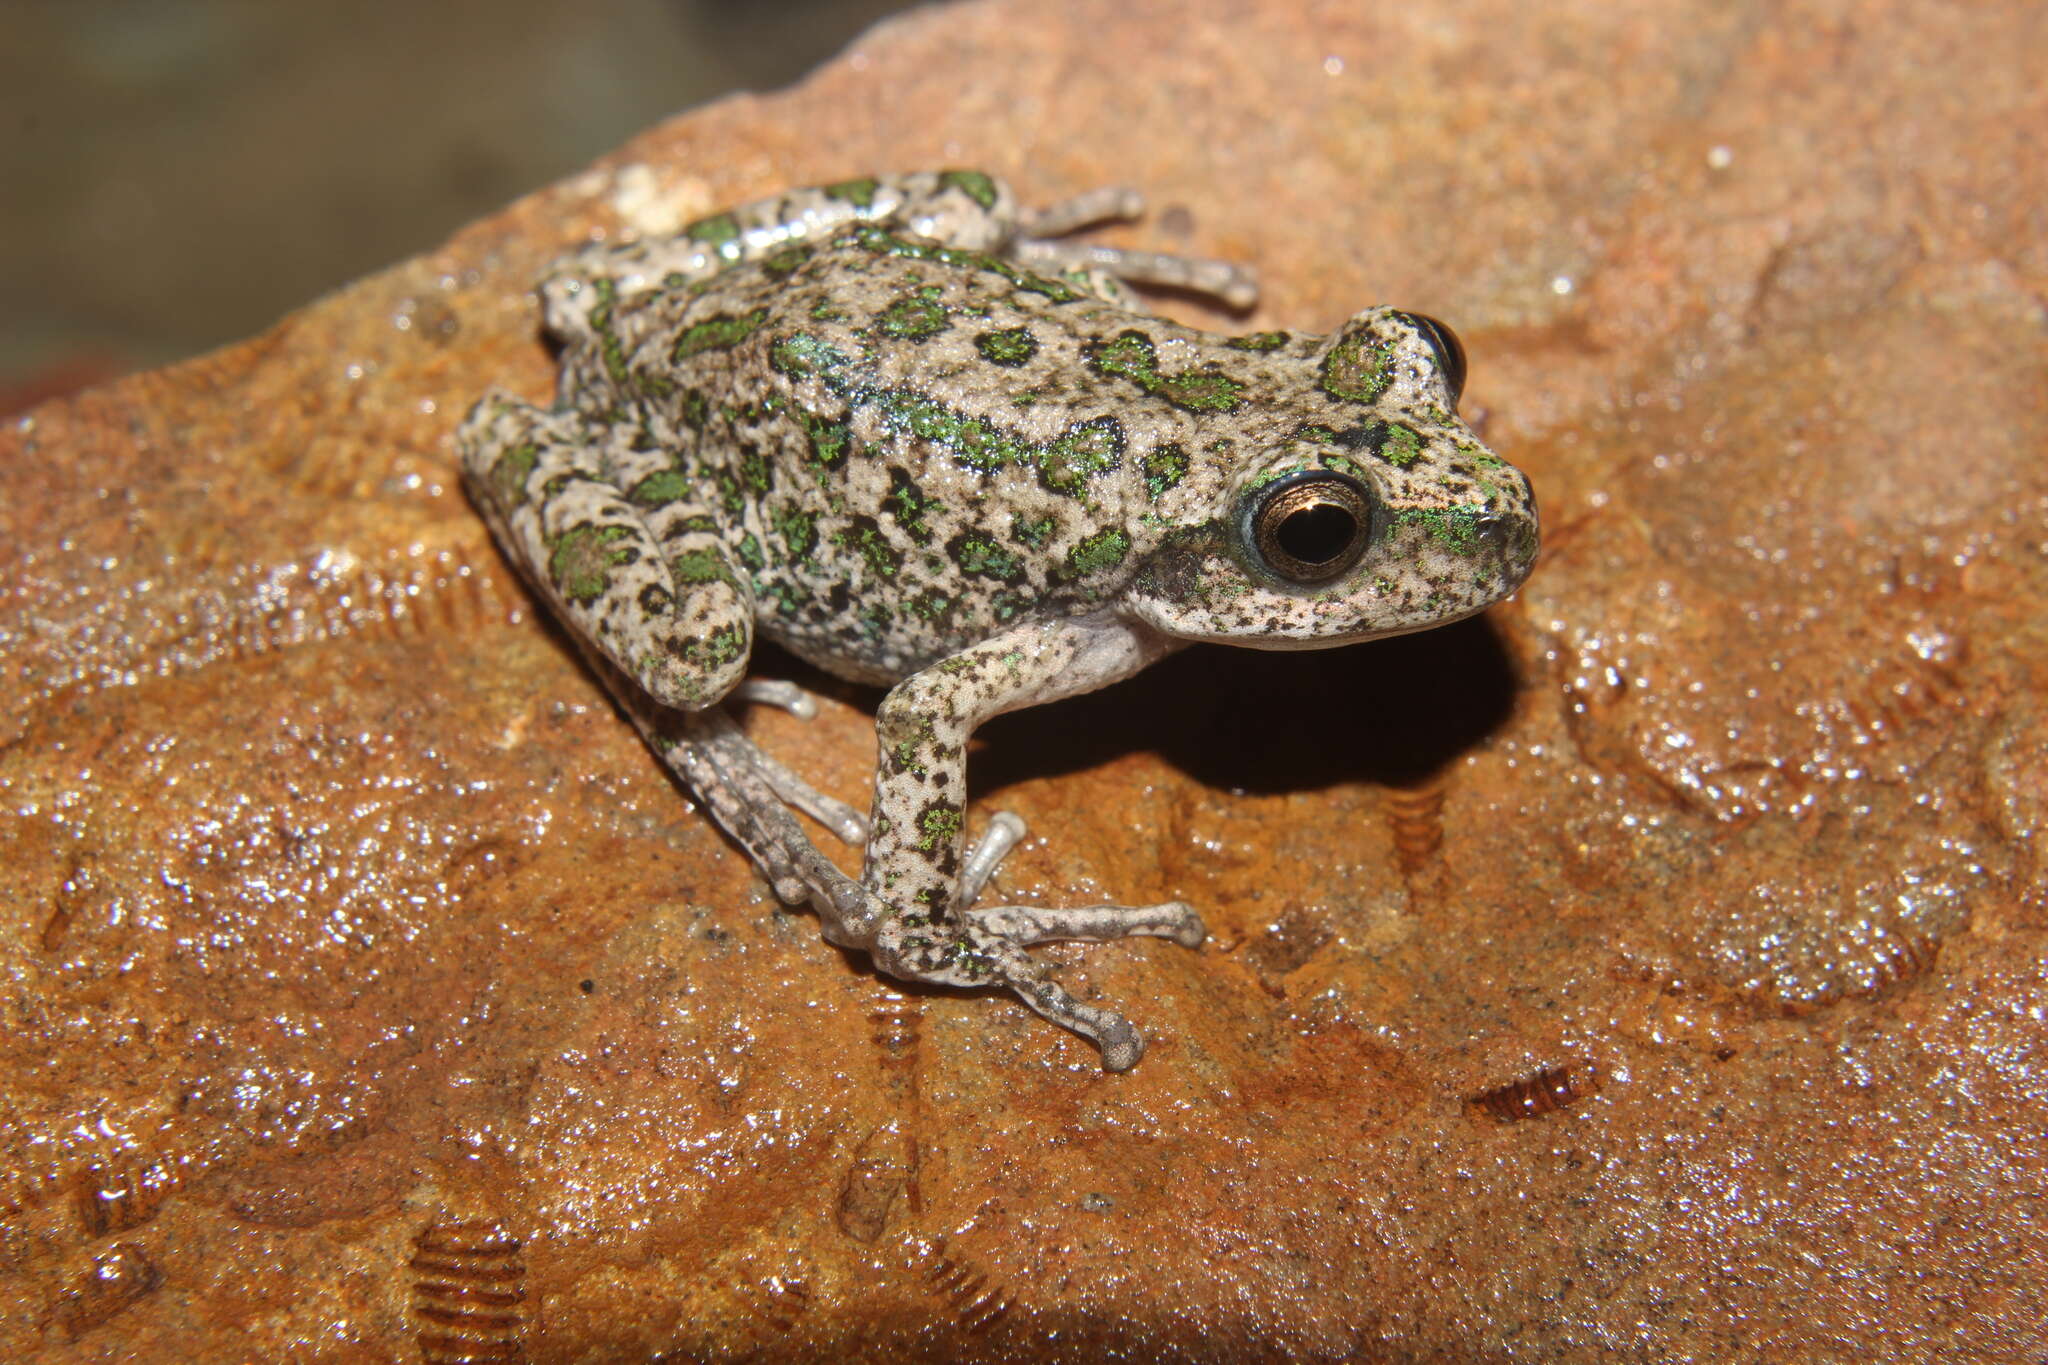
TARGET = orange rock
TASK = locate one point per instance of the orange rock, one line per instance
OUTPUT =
(370, 991)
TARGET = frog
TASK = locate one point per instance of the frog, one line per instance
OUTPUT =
(918, 436)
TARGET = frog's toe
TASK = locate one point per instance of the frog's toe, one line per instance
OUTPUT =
(1029, 924)
(1229, 283)
(1121, 1044)
(1188, 930)
(783, 696)
(1004, 830)
(1105, 204)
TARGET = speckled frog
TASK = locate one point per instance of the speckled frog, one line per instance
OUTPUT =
(893, 427)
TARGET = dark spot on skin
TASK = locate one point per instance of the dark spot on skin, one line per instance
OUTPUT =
(693, 409)
(1359, 368)
(1172, 574)
(656, 601)
(1165, 466)
(1082, 452)
(1098, 553)
(1011, 346)
(830, 442)
(720, 333)
(977, 553)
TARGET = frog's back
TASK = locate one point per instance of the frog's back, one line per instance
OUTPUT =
(912, 447)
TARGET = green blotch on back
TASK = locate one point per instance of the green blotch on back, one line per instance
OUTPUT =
(974, 442)
(754, 472)
(1258, 341)
(976, 185)
(1352, 468)
(1010, 346)
(1132, 355)
(803, 356)
(977, 553)
(582, 558)
(915, 316)
(716, 334)
(1083, 451)
(1097, 554)
(1165, 466)
(1359, 368)
(859, 193)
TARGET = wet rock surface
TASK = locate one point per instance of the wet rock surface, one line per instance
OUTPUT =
(1653, 967)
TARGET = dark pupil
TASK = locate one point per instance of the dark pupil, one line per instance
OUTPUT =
(1318, 534)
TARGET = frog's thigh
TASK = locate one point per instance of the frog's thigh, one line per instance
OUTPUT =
(648, 581)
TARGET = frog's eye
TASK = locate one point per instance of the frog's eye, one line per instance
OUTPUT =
(1450, 352)
(1311, 527)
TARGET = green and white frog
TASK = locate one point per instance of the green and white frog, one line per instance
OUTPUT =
(892, 427)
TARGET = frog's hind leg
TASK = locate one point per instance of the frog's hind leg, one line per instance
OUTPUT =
(1028, 924)
(1232, 284)
(626, 555)
(848, 824)
(975, 956)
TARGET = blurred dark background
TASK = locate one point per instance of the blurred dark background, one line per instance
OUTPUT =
(181, 173)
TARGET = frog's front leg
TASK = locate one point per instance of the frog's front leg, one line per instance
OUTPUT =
(914, 864)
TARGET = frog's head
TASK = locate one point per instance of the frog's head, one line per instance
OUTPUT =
(1377, 514)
